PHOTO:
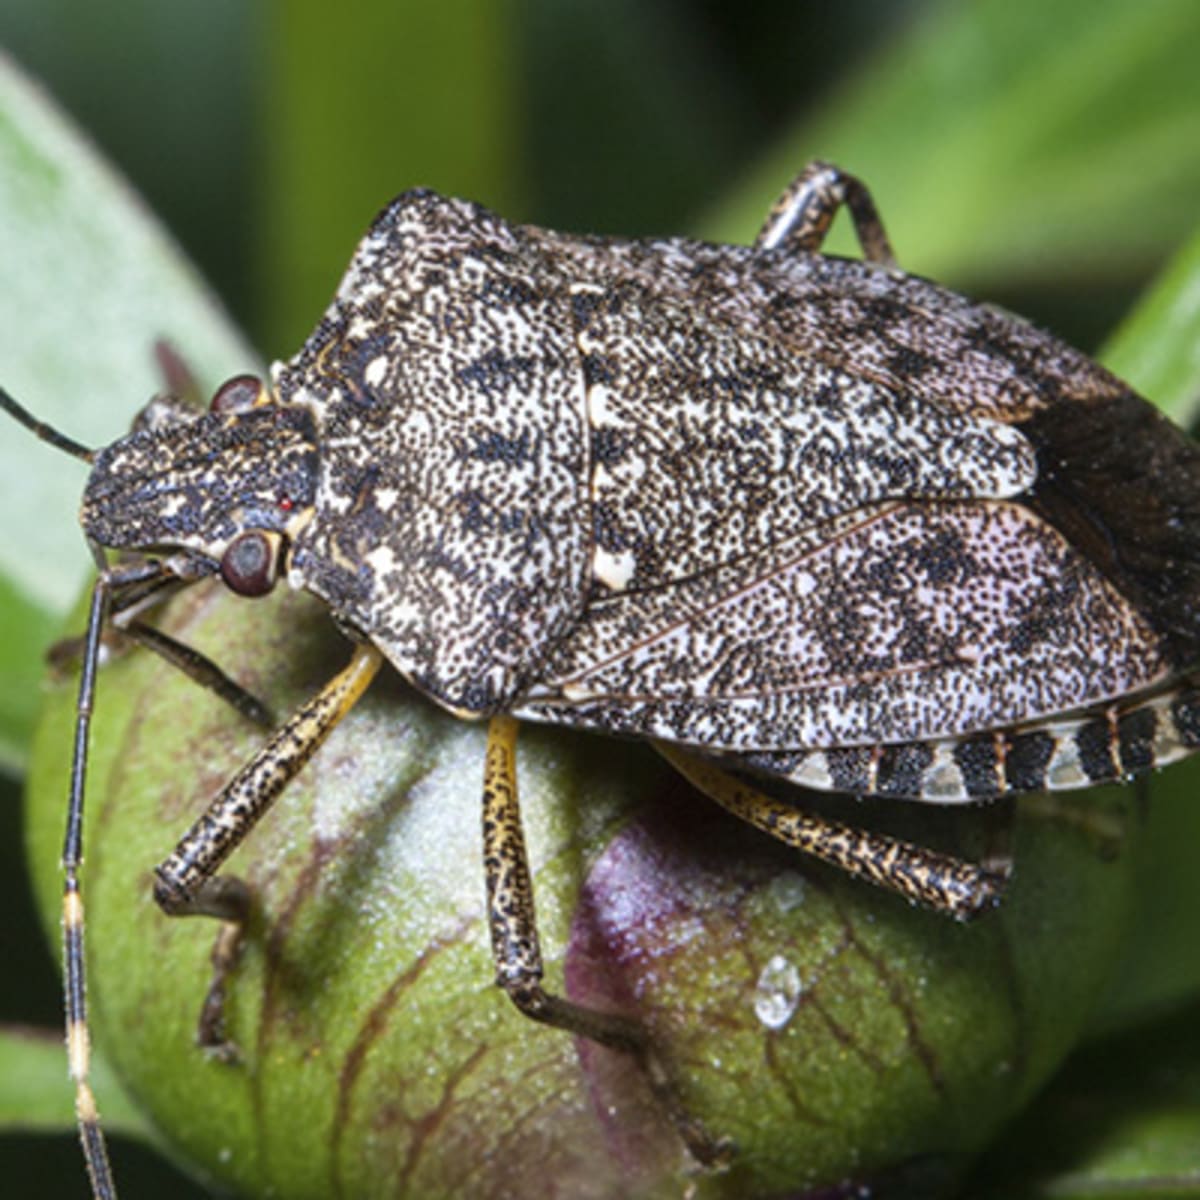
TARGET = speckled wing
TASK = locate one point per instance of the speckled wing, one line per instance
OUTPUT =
(848, 523)
(872, 323)
(896, 622)
(710, 442)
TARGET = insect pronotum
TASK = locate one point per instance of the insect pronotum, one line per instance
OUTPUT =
(779, 512)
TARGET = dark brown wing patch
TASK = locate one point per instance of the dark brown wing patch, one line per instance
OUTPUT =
(1123, 486)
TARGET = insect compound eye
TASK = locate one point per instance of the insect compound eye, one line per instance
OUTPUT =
(238, 394)
(249, 565)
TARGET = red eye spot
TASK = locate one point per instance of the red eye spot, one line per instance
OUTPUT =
(286, 503)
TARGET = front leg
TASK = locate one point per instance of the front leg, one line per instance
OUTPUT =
(518, 956)
(801, 217)
(187, 883)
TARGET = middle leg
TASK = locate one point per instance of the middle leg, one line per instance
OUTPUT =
(518, 956)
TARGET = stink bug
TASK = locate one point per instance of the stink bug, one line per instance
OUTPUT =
(781, 514)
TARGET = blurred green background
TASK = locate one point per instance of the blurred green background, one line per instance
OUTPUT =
(1043, 155)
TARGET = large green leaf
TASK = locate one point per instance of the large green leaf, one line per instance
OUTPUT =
(1122, 1122)
(90, 281)
(1015, 141)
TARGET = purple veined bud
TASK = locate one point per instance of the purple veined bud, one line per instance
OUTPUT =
(835, 1033)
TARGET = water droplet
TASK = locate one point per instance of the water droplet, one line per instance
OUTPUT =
(777, 992)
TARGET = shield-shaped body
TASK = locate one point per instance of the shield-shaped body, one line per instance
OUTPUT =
(768, 504)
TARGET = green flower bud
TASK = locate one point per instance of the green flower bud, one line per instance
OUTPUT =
(838, 1035)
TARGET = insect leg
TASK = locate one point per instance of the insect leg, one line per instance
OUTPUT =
(201, 670)
(186, 883)
(800, 218)
(122, 617)
(950, 885)
(517, 953)
(65, 652)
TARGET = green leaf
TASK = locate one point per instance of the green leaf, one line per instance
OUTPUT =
(25, 628)
(1123, 1121)
(1006, 140)
(35, 1097)
(90, 281)
(1157, 347)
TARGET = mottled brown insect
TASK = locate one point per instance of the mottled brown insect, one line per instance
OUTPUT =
(776, 511)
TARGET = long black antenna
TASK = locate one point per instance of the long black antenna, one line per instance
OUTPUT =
(95, 1149)
(79, 1054)
(110, 581)
(46, 432)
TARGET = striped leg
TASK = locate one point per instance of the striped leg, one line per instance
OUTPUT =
(187, 883)
(518, 955)
(938, 881)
